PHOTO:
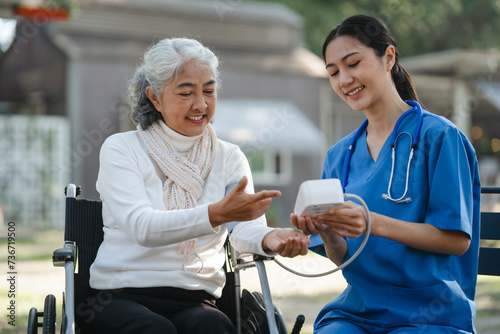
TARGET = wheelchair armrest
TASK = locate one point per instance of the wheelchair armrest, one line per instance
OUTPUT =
(242, 258)
(257, 257)
(66, 257)
(62, 255)
(247, 260)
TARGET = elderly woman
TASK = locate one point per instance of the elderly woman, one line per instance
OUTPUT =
(168, 190)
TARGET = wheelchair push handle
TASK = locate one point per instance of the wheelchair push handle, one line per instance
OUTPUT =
(72, 190)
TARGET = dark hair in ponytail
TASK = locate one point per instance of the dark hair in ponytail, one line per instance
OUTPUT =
(375, 34)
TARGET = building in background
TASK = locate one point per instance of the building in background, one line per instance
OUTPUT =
(65, 82)
(76, 71)
(464, 86)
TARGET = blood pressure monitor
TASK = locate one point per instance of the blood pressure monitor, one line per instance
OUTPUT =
(316, 197)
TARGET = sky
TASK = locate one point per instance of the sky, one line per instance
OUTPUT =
(7, 28)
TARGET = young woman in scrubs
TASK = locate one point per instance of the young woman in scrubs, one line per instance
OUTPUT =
(417, 273)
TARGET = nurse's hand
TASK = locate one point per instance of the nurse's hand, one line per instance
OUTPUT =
(286, 242)
(335, 245)
(310, 226)
(306, 224)
(348, 221)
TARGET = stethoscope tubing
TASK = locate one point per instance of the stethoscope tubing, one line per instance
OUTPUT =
(415, 106)
(352, 258)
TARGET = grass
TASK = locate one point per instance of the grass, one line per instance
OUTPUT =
(488, 295)
(33, 253)
(36, 277)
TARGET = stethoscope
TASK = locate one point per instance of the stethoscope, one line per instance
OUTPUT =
(394, 138)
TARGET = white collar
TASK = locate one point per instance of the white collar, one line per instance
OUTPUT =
(180, 142)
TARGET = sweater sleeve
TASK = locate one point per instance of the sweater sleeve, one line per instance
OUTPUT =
(124, 173)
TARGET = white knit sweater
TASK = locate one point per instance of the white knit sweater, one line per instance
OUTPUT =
(140, 247)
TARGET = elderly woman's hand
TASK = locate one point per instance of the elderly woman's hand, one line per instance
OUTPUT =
(240, 206)
(286, 242)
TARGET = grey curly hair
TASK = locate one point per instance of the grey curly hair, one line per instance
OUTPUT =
(161, 63)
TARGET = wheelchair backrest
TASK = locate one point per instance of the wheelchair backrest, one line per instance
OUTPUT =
(83, 226)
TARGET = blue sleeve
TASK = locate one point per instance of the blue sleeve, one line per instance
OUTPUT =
(451, 169)
(317, 245)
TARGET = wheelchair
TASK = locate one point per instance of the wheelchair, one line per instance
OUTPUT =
(251, 312)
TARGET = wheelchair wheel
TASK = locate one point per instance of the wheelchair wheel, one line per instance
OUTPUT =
(33, 321)
(280, 321)
(49, 315)
(254, 314)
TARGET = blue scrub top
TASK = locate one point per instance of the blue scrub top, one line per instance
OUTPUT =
(391, 284)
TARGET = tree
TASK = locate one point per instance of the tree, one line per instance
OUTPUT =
(419, 27)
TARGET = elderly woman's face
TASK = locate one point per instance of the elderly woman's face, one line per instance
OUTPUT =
(188, 102)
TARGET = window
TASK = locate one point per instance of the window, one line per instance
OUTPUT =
(270, 167)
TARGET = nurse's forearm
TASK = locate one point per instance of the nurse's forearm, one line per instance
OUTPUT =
(420, 236)
(335, 247)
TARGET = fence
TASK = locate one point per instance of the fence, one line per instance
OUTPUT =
(33, 170)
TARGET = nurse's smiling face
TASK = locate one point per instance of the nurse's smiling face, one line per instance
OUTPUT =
(357, 74)
(187, 103)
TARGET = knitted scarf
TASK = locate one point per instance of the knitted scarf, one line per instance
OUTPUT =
(185, 174)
